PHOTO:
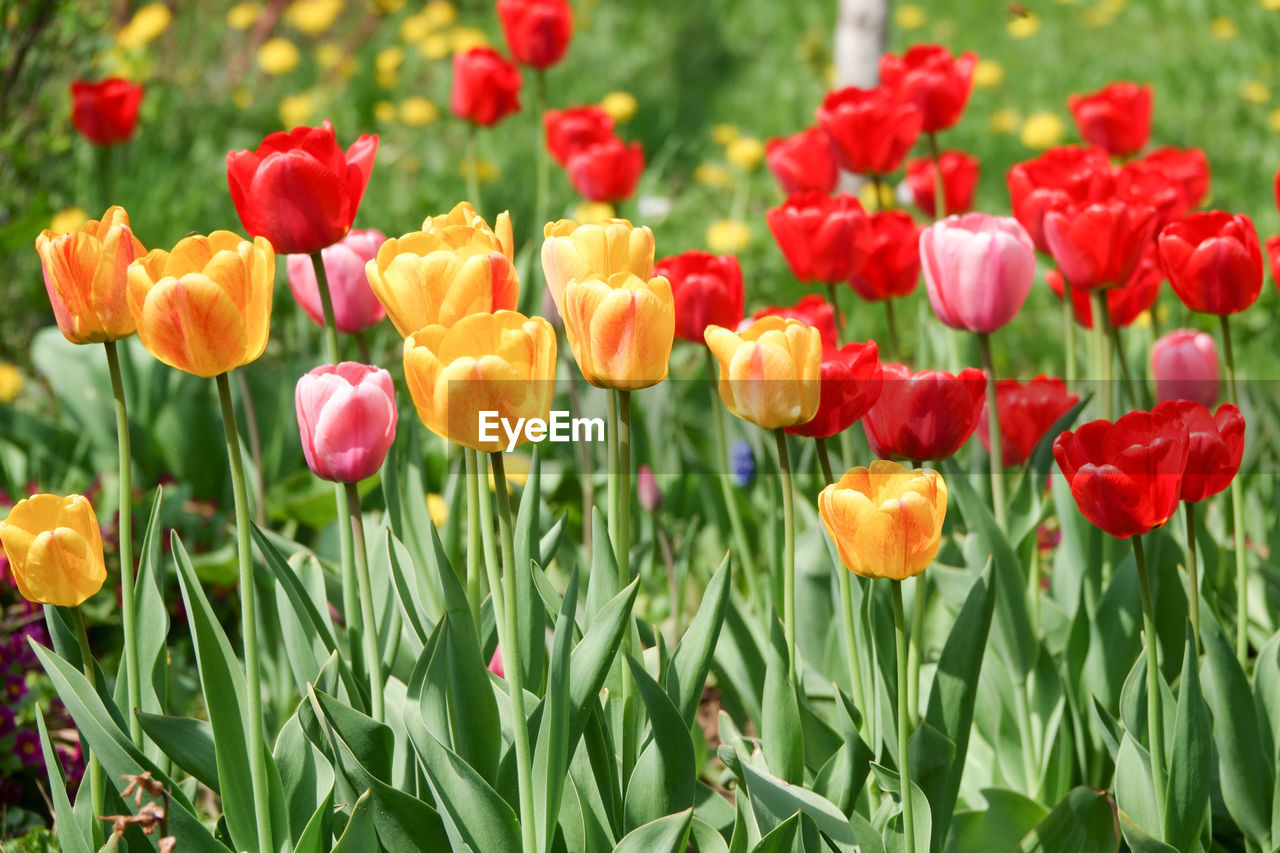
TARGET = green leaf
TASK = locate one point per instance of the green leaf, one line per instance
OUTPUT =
(691, 662)
(359, 835)
(1135, 795)
(71, 832)
(780, 725)
(1008, 817)
(668, 834)
(1186, 797)
(306, 776)
(894, 832)
(705, 838)
(316, 832)
(406, 590)
(773, 801)
(152, 612)
(188, 742)
(663, 779)
(532, 623)
(841, 779)
(551, 752)
(781, 839)
(1083, 822)
(595, 652)
(603, 583)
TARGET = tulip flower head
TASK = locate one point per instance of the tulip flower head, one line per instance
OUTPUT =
(1026, 413)
(355, 307)
(812, 310)
(1213, 261)
(620, 329)
(707, 290)
(572, 130)
(850, 386)
(823, 239)
(105, 112)
(1099, 244)
(886, 520)
(924, 415)
(54, 548)
(486, 87)
(347, 420)
(959, 179)
(928, 76)
(537, 31)
(1216, 446)
(892, 268)
(577, 252)
(1184, 363)
(1117, 117)
(299, 189)
(1060, 177)
(502, 362)
(1125, 304)
(803, 162)
(463, 213)
(770, 373)
(978, 270)
(86, 276)
(871, 130)
(205, 307)
(606, 171)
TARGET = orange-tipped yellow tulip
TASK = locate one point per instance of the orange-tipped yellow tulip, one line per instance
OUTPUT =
(770, 372)
(85, 273)
(620, 329)
(464, 214)
(504, 363)
(886, 520)
(440, 276)
(205, 307)
(54, 548)
(573, 252)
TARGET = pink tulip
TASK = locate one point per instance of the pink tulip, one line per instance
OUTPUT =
(495, 663)
(347, 417)
(1184, 363)
(647, 490)
(355, 308)
(978, 269)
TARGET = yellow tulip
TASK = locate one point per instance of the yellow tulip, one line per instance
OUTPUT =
(85, 273)
(620, 329)
(441, 275)
(886, 520)
(769, 372)
(573, 252)
(205, 307)
(55, 549)
(464, 214)
(503, 362)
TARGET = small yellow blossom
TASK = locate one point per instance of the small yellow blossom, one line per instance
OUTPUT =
(67, 220)
(1042, 130)
(485, 171)
(278, 56)
(242, 16)
(313, 17)
(1270, 5)
(242, 97)
(724, 133)
(389, 58)
(145, 26)
(437, 508)
(1222, 28)
(745, 152)
(1005, 120)
(329, 55)
(1143, 320)
(726, 236)
(295, 110)
(462, 39)
(439, 13)
(909, 16)
(987, 74)
(1273, 120)
(1024, 26)
(385, 112)
(433, 47)
(593, 212)
(867, 196)
(387, 7)
(713, 175)
(621, 106)
(416, 111)
(414, 28)
(10, 382)
(1255, 91)
(386, 78)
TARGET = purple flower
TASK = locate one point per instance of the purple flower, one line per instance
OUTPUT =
(26, 745)
(7, 718)
(742, 463)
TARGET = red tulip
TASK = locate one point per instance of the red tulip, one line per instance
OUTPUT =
(707, 289)
(1216, 443)
(1273, 258)
(931, 78)
(1125, 303)
(871, 130)
(959, 179)
(1189, 167)
(1213, 261)
(1116, 117)
(850, 386)
(298, 189)
(812, 310)
(803, 162)
(1026, 412)
(1155, 185)
(1059, 177)
(892, 268)
(486, 87)
(569, 131)
(1184, 364)
(1126, 476)
(823, 239)
(606, 171)
(105, 112)
(537, 31)
(925, 415)
(1098, 245)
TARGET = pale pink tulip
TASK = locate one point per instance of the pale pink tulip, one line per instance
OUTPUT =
(355, 308)
(347, 417)
(977, 269)
(1184, 363)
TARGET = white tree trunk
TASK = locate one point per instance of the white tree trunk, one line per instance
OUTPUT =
(861, 37)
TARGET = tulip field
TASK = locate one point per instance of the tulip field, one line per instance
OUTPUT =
(484, 426)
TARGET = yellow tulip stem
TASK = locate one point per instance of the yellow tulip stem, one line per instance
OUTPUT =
(788, 551)
(993, 430)
(747, 562)
(1193, 575)
(1155, 714)
(835, 309)
(248, 620)
(611, 442)
(128, 605)
(92, 766)
(904, 718)
(1102, 351)
(1237, 513)
(473, 170)
(918, 608)
(511, 659)
(369, 625)
(1069, 325)
(474, 543)
(623, 544)
(895, 344)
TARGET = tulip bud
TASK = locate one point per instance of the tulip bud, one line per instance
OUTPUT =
(537, 31)
(1117, 117)
(347, 419)
(573, 252)
(647, 490)
(769, 373)
(1184, 363)
(486, 87)
(620, 329)
(105, 112)
(54, 548)
(978, 270)
(495, 663)
(812, 310)
(928, 76)
(1215, 446)
(1213, 261)
(924, 415)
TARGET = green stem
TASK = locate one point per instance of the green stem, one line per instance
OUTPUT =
(1155, 714)
(895, 343)
(904, 718)
(1101, 351)
(1130, 387)
(917, 643)
(788, 550)
(255, 449)
(369, 626)
(248, 620)
(1193, 576)
(326, 307)
(1029, 751)
(473, 170)
(611, 444)
(1069, 325)
(993, 429)
(489, 546)
(835, 309)
(939, 185)
(726, 486)
(93, 768)
(128, 604)
(622, 545)
(106, 174)
(877, 186)
(511, 659)
(1237, 515)
(474, 541)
